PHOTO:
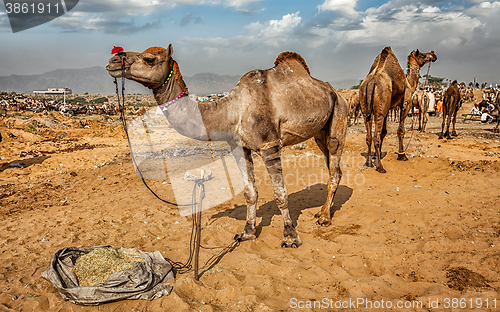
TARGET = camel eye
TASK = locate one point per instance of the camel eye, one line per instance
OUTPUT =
(149, 60)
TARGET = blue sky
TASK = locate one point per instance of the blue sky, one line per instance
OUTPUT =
(339, 39)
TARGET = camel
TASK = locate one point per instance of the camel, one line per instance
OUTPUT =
(469, 95)
(451, 105)
(354, 108)
(267, 110)
(421, 100)
(488, 93)
(386, 87)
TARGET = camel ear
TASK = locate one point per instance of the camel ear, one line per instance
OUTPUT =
(170, 50)
(417, 53)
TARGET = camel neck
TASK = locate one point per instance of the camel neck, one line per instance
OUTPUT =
(169, 91)
(413, 73)
(412, 79)
(198, 121)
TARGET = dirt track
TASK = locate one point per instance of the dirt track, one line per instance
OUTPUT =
(426, 230)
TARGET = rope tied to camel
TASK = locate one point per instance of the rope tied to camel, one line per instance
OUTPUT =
(415, 119)
(196, 205)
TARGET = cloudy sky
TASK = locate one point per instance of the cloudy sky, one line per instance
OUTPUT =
(338, 38)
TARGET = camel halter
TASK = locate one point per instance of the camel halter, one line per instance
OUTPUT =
(196, 204)
(168, 78)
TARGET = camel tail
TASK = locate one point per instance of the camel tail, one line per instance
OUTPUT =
(369, 100)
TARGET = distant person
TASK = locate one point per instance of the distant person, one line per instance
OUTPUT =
(439, 108)
(490, 107)
(475, 110)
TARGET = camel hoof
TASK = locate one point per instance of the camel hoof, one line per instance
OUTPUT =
(322, 220)
(368, 164)
(290, 242)
(440, 137)
(290, 237)
(244, 237)
(402, 157)
(381, 170)
(454, 133)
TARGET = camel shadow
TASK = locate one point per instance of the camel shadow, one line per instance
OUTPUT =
(23, 163)
(310, 197)
(382, 154)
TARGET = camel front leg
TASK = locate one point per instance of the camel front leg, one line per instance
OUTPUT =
(424, 121)
(448, 120)
(272, 161)
(443, 124)
(245, 165)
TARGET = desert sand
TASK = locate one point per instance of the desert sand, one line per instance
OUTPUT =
(426, 231)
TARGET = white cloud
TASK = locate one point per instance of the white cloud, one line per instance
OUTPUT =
(343, 7)
(274, 32)
(242, 5)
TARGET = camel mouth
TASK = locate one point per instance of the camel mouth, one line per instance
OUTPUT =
(114, 72)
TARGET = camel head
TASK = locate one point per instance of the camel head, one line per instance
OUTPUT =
(421, 58)
(149, 68)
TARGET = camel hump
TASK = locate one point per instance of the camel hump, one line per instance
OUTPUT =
(284, 56)
(154, 50)
(383, 56)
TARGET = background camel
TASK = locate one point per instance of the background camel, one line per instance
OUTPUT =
(354, 108)
(266, 110)
(451, 105)
(386, 86)
(421, 101)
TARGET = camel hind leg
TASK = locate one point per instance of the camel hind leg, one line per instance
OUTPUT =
(401, 133)
(454, 119)
(331, 141)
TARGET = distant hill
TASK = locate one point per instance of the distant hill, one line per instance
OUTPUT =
(345, 84)
(95, 80)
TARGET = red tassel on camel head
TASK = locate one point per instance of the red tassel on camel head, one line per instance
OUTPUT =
(116, 50)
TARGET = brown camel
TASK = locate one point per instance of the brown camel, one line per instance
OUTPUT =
(266, 110)
(354, 108)
(420, 101)
(386, 87)
(451, 105)
(488, 93)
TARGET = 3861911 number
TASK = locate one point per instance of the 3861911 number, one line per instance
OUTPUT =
(27, 8)
(478, 303)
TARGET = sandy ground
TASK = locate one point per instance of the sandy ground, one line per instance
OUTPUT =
(426, 231)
